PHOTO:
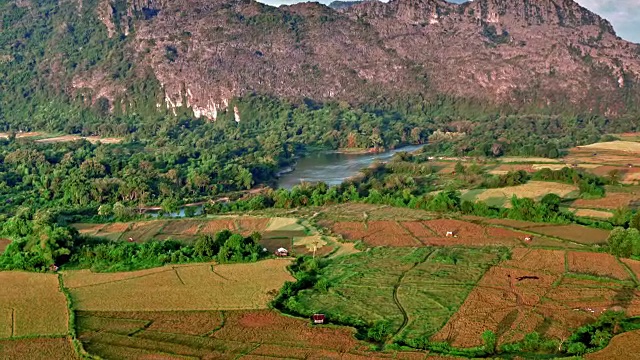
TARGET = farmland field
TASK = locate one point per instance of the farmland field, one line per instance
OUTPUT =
(416, 290)
(31, 304)
(534, 292)
(532, 189)
(599, 264)
(260, 334)
(620, 347)
(611, 201)
(577, 233)
(429, 232)
(596, 214)
(276, 232)
(38, 349)
(180, 287)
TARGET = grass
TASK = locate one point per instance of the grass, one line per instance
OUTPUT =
(415, 289)
(32, 305)
(187, 287)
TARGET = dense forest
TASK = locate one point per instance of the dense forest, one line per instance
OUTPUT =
(168, 159)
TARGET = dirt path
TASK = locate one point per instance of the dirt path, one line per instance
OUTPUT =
(405, 316)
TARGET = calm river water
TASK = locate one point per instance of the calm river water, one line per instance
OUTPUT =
(333, 168)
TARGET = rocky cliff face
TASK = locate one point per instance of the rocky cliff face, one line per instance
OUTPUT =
(206, 52)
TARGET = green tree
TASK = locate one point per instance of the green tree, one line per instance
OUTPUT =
(490, 341)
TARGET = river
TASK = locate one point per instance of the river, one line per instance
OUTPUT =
(333, 168)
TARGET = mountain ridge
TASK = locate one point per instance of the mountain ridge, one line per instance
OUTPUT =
(203, 54)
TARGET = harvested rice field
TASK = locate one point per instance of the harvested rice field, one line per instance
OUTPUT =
(625, 146)
(214, 226)
(284, 224)
(31, 304)
(38, 349)
(536, 291)
(595, 214)
(613, 153)
(598, 264)
(532, 189)
(620, 347)
(180, 287)
(258, 334)
(439, 232)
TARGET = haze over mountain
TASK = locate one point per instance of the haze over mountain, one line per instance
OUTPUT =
(202, 54)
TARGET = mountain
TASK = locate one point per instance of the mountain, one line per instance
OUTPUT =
(124, 56)
(340, 5)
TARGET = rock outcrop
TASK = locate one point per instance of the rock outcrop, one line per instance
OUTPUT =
(204, 53)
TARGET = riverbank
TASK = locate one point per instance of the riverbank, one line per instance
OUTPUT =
(335, 167)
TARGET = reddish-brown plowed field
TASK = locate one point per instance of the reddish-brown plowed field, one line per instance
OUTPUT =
(501, 303)
(596, 264)
(272, 351)
(350, 230)
(461, 229)
(505, 234)
(537, 260)
(221, 335)
(532, 292)
(388, 233)
(3, 244)
(38, 349)
(588, 298)
(634, 265)
(611, 201)
(214, 226)
(115, 228)
(621, 347)
(143, 231)
(181, 227)
(418, 229)
(431, 232)
(249, 225)
(270, 327)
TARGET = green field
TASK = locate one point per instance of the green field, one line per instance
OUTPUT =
(413, 291)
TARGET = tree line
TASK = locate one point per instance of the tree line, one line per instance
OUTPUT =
(40, 244)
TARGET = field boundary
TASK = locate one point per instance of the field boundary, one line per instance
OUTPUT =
(13, 322)
(78, 347)
(405, 316)
(125, 279)
(632, 274)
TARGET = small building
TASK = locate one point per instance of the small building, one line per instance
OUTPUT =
(318, 319)
(528, 238)
(451, 234)
(53, 268)
(131, 240)
(281, 252)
